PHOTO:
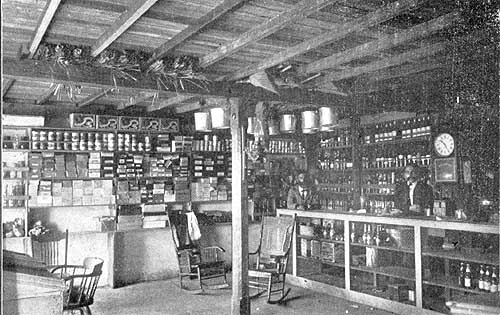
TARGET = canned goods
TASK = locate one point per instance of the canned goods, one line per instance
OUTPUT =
(35, 145)
(59, 145)
(83, 145)
(43, 145)
(67, 145)
(51, 145)
(59, 136)
(51, 136)
(75, 136)
(74, 146)
(43, 136)
(90, 145)
(35, 135)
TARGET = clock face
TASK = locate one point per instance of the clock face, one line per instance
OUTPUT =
(444, 144)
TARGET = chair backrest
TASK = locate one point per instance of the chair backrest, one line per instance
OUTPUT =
(49, 250)
(93, 264)
(276, 235)
(80, 289)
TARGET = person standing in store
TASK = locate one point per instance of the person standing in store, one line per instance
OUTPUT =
(413, 195)
(300, 195)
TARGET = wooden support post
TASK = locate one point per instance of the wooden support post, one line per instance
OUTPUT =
(356, 153)
(418, 266)
(347, 255)
(240, 303)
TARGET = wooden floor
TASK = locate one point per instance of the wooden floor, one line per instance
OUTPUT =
(165, 297)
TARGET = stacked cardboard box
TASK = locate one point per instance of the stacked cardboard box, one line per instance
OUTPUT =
(48, 165)
(95, 165)
(154, 216)
(35, 165)
(78, 192)
(107, 163)
(71, 166)
(67, 193)
(33, 192)
(163, 143)
(82, 164)
(182, 144)
(129, 218)
(57, 193)
(181, 189)
(128, 192)
(60, 166)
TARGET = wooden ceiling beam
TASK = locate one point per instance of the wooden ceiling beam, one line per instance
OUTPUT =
(397, 60)
(188, 107)
(43, 24)
(136, 99)
(94, 97)
(6, 85)
(45, 97)
(297, 12)
(126, 19)
(341, 31)
(386, 42)
(406, 70)
(189, 31)
(181, 98)
(44, 71)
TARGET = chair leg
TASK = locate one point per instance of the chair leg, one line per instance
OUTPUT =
(269, 287)
(199, 278)
(88, 310)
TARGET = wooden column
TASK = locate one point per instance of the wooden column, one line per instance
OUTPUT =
(240, 303)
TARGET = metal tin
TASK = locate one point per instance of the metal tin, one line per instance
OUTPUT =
(288, 123)
(327, 117)
(220, 118)
(202, 122)
(310, 122)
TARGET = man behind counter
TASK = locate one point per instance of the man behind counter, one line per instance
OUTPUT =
(300, 196)
(413, 195)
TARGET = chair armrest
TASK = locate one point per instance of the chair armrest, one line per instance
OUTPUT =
(254, 253)
(212, 247)
(55, 268)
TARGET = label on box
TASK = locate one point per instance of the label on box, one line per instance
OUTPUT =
(129, 123)
(150, 123)
(169, 125)
(107, 122)
(79, 120)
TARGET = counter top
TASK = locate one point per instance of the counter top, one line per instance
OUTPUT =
(421, 221)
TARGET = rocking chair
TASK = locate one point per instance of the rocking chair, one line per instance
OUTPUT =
(269, 272)
(195, 262)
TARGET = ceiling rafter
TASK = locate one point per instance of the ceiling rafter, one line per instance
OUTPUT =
(407, 70)
(43, 24)
(43, 71)
(189, 31)
(396, 60)
(6, 85)
(341, 31)
(126, 19)
(94, 97)
(188, 107)
(383, 43)
(136, 99)
(180, 98)
(418, 78)
(299, 11)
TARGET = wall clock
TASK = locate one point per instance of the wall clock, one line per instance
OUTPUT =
(444, 144)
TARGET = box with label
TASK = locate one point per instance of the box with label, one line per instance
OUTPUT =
(150, 123)
(79, 120)
(129, 123)
(169, 125)
(107, 122)
(305, 247)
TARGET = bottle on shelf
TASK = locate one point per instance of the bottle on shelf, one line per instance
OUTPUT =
(353, 233)
(480, 283)
(494, 281)
(468, 277)
(461, 275)
(487, 280)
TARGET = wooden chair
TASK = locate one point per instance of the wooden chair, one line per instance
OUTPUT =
(49, 250)
(269, 272)
(81, 283)
(196, 262)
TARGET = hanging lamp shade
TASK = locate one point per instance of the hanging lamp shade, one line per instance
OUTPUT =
(287, 123)
(202, 122)
(310, 123)
(252, 122)
(328, 118)
(220, 118)
(273, 127)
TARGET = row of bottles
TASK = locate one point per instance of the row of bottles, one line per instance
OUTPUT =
(335, 189)
(394, 130)
(396, 157)
(336, 160)
(378, 191)
(286, 146)
(211, 144)
(336, 178)
(334, 139)
(379, 237)
(329, 232)
(379, 178)
(336, 204)
(486, 281)
(375, 205)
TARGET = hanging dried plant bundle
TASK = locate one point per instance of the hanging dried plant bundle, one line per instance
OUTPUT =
(169, 72)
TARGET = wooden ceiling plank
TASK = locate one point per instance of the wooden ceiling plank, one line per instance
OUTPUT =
(43, 71)
(341, 31)
(408, 56)
(45, 97)
(189, 31)
(94, 97)
(43, 25)
(126, 19)
(386, 42)
(134, 100)
(299, 11)
(188, 107)
(170, 102)
(6, 85)
(407, 70)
